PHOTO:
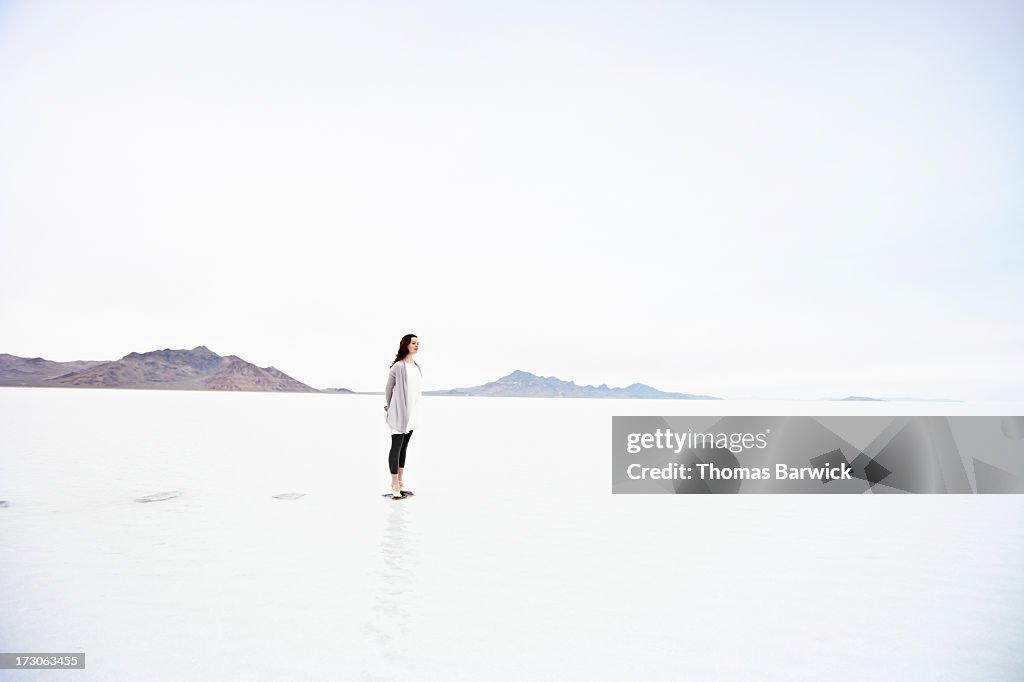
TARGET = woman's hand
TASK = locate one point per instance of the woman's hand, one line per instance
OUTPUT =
(385, 408)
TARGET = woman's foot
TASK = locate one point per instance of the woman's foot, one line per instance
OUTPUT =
(401, 486)
(396, 492)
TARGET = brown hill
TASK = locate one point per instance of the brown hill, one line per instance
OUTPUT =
(18, 371)
(195, 369)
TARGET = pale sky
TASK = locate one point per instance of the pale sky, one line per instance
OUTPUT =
(775, 199)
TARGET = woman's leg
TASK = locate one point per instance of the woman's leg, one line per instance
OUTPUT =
(393, 457)
(401, 456)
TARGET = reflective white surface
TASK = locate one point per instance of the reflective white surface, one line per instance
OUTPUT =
(512, 561)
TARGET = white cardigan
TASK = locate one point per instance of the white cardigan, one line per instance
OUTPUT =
(402, 394)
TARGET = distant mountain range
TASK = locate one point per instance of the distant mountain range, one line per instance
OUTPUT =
(858, 398)
(861, 398)
(520, 384)
(200, 369)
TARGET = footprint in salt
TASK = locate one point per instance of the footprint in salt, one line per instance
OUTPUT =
(289, 496)
(159, 497)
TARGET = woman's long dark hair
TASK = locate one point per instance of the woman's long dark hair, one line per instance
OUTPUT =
(403, 348)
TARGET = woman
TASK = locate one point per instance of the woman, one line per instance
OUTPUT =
(402, 395)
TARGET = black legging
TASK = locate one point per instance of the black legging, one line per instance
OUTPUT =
(396, 458)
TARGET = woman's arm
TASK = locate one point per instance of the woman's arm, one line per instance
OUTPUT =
(390, 388)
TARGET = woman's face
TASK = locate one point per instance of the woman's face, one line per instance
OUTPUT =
(414, 345)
